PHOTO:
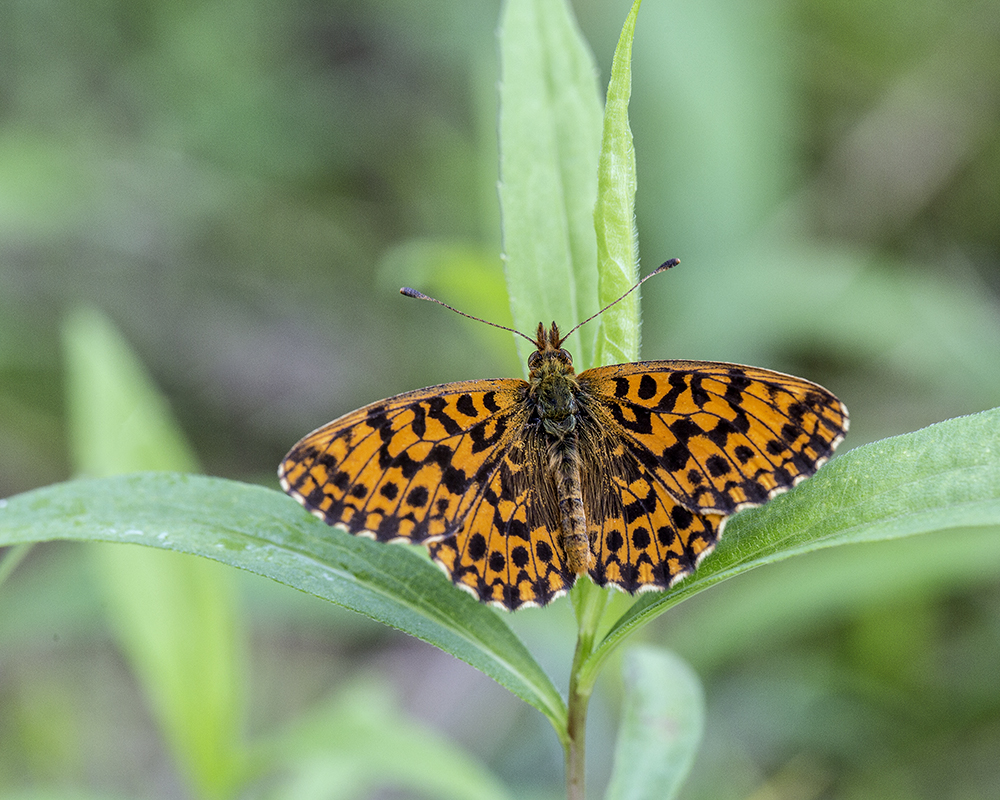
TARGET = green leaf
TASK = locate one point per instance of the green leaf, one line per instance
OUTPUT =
(943, 476)
(361, 739)
(118, 420)
(177, 620)
(661, 726)
(265, 532)
(793, 597)
(175, 617)
(614, 213)
(550, 138)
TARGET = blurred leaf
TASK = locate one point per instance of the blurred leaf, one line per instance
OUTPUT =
(43, 185)
(9, 560)
(614, 214)
(177, 621)
(118, 420)
(265, 532)
(175, 616)
(550, 139)
(661, 726)
(792, 598)
(715, 119)
(359, 740)
(944, 476)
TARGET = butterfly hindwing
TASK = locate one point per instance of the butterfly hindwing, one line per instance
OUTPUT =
(506, 551)
(642, 538)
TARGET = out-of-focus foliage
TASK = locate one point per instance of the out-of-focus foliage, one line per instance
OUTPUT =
(242, 187)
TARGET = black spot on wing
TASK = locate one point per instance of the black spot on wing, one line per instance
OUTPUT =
(477, 546)
(717, 466)
(418, 497)
(419, 424)
(466, 406)
(647, 387)
(436, 411)
(640, 538)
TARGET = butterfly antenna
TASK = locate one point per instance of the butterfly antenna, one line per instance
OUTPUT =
(662, 268)
(408, 292)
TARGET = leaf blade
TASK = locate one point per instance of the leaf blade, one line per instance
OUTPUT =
(550, 138)
(944, 476)
(614, 213)
(265, 532)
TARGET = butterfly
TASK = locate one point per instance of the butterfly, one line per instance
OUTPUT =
(626, 473)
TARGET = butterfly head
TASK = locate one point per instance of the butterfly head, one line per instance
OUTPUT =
(550, 355)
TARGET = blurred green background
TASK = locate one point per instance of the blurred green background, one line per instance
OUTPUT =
(241, 187)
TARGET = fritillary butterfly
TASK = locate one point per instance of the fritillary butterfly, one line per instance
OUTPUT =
(624, 472)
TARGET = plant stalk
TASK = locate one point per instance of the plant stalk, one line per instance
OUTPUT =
(590, 602)
(576, 728)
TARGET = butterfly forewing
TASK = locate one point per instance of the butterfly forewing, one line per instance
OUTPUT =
(718, 437)
(408, 467)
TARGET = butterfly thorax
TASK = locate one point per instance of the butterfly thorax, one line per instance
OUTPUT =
(553, 387)
(553, 384)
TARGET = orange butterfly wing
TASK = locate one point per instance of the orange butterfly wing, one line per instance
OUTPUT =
(671, 448)
(408, 467)
(452, 462)
(507, 550)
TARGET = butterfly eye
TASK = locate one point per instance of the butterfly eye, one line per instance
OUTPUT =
(533, 359)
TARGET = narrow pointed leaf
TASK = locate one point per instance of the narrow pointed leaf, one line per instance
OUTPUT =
(265, 532)
(614, 214)
(550, 137)
(176, 618)
(944, 476)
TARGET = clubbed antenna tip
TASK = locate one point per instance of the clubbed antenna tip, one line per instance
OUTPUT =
(408, 292)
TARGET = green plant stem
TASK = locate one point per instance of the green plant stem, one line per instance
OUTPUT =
(590, 602)
(576, 728)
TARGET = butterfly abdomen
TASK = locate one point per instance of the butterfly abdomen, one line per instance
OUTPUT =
(564, 464)
(554, 390)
